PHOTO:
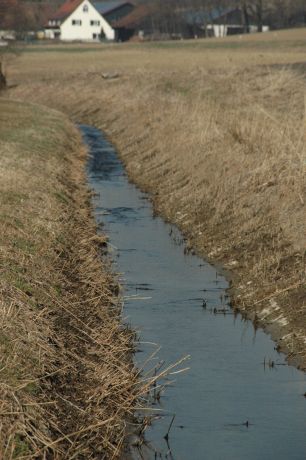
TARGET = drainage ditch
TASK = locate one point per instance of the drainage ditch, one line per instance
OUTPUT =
(239, 399)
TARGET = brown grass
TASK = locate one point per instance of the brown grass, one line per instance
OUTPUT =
(67, 384)
(215, 130)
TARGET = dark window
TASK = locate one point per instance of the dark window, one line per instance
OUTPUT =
(76, 22)
(85, 8)
(94, 23)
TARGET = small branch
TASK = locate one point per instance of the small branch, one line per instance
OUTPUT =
(166, 437)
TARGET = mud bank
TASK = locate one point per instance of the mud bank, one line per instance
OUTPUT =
(67, 384)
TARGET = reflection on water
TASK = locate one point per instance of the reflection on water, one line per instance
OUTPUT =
(231, 404)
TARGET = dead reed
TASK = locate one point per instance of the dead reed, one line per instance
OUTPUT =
(216, 132)
(68, 387)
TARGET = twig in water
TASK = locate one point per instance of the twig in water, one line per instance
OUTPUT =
(166, 437)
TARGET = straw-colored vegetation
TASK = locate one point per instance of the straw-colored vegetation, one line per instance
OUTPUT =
(215, 131)
(67, 384)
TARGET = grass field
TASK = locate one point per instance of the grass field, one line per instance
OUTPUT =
(215, 130)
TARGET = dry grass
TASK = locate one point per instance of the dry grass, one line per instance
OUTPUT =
(68, 387)
(215, 130)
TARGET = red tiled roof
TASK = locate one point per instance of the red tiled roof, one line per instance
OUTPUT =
(65, 10)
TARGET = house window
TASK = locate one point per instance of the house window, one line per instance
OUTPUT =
(85, 8)
(76, 22)
(94, 23)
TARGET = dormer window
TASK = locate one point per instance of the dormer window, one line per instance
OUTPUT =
(85, 8)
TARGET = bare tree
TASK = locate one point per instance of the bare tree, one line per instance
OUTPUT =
(171, 14)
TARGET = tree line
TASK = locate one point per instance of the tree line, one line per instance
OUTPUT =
(24, 15)
(170, 15)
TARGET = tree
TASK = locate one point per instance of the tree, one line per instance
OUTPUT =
(245, 14)
(14, 15)
(24, 15)
(170, 14)
(2, 77)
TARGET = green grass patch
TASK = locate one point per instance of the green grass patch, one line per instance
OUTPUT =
(170, 86)
(23, 286)
(225, 44)
(12, 221)
(62, 197)
(21, 446)
(11, 198)
(58, 290)
(32, 388)
(66, 49)
(24, 245)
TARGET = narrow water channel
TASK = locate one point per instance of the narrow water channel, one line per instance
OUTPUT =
(227, 384)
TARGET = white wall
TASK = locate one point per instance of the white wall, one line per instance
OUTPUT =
(220, 30)
(85, 31)
(49, 34)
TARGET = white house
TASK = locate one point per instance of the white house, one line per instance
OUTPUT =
(79, 20)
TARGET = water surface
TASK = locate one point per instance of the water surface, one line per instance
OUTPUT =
(227, 384)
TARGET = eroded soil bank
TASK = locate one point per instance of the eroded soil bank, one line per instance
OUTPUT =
(67, 384)
(217, 138)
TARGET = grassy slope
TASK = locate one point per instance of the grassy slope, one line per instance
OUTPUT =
(66, 383)
(215, 131)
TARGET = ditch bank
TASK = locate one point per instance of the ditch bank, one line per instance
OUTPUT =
(233, 181)
(221, 151)
(67, 383)
(227, 403)
(264, 266)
